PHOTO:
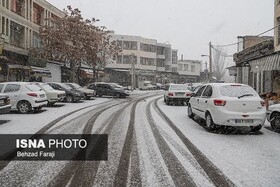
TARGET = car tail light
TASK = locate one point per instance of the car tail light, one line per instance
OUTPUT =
(219, 102)
(263, 103)
(170, 94)
(7, 101)
(188, 94)
(32, 94)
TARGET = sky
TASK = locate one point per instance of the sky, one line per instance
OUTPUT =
(188, 25)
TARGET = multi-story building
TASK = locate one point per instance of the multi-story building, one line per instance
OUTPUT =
(148, 59)
(189, 70)
(19, 27)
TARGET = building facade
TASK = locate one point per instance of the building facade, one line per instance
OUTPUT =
(19, 31)
(189, 70)
(146, 58)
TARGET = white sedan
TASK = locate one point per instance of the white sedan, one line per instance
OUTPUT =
(228, 104)
(53, 95)
(176, 93)
(273, 116)
(24, 96)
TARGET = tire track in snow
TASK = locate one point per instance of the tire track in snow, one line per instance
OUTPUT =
(216, 175)
(43, 130)
(180, 176)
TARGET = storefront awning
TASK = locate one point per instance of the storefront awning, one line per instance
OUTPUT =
(17, 66)
(268, 63)
(40, 72)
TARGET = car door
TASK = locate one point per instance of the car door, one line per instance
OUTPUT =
(204, 99)
(196, 108)
(13, 91)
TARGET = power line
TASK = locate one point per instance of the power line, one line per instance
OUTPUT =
(242, 41)
(222, 53)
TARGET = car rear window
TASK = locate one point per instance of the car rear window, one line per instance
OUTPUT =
(47, 87)
(237, 90)
(33, 88)
(178, 87)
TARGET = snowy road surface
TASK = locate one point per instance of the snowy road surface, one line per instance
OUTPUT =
(150, 144)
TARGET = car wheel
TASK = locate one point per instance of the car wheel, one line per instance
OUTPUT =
(275, 121)
(164, 99)
(69, 99)
(117, 95)
(50, 103)
(24, 107)
(167, 102)
(37, 109)
(256, 128)
(88, 97)
(210, 125)
(190, 113)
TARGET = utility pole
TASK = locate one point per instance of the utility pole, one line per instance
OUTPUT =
(210, 61)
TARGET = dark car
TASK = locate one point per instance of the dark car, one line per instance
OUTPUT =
(5, 106)
(107, 89)
(71, 95)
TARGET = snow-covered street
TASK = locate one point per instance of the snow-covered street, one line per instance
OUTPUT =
(150, 144)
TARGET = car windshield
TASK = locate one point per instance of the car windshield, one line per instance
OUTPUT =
(74, 85)
(237, 91)
(33, 87)
(65, 86)
(178, 87)
(47, 87)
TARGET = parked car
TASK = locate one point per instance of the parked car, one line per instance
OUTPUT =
(273, 116)
(5, 106)
(107, 89)
(159, 86)
(119, 87)
(228, 105)
(193, 86)
(176, 93)
(145, 85)
(71, 95)
(24, 96)
(52, 94)
(87, 92)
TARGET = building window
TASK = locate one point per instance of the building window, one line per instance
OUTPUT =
(119, 59)
(17, 37)
(174, 69)
(147, 61)
(126, 59)
(148, 48)
(38, 13)
(129, 45)
(192, 68)
(160, 63)
(3, 25)
(278, 33)
(186, 67)
(160, 50)
(7, 27)
(7, 4)
(18, 6)
(180, 67)
(36, 40)
(167, 67)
